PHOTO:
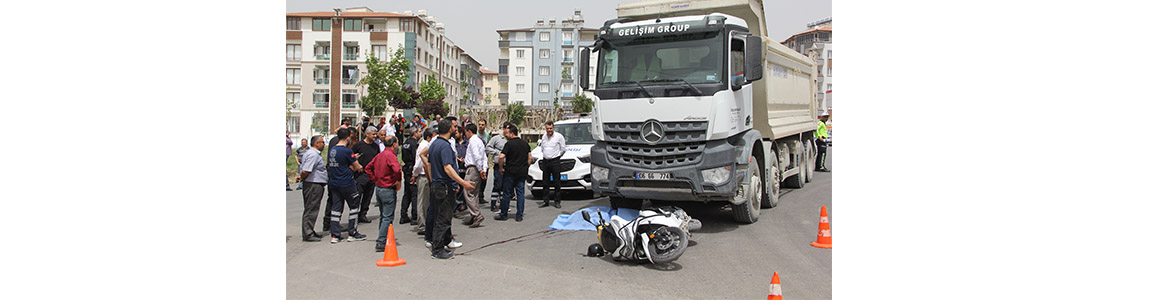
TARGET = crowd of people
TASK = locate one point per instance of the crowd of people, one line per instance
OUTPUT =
(441, 175)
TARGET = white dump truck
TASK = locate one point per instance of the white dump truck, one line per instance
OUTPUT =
(695, 103)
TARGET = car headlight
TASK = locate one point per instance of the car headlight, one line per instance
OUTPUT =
(584, 159)
(717, 175)
(600, 173)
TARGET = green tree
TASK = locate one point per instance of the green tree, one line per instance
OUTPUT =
(432, 94)
(386, 83)
(582, 104)
(516, 113)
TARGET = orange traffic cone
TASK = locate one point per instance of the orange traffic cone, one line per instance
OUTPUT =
(390, 254)
(774, 288)
(824, 238)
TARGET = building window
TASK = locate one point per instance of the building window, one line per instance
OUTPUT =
(292, 52)
(567, 38)
(544, 53)
(379, 52)
(321, 98)
(544, 36)
(321, 76)
(568, 55)
(321, 25)
(353, 25)
(293, 24)
(543, 103)
(830, 72)
(294, 124)
(830, 56)
(519, 71)
(405, 25)
(292, 76)
(519, 88)
(519, 53)
(487, 90)
(544, 88)
(295, 98)
(544, 71)
(348, 98)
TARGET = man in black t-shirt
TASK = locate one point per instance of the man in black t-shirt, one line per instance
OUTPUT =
(340, 165)
(366, 149)
(329, 195)
(515, 159)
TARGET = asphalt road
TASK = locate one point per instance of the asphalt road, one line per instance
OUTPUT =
(510, 260)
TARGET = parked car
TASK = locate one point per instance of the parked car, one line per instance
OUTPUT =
(575, 164)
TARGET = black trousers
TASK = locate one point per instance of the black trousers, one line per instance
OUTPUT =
(347, 196)
(552, 168)
(365, 186)
(439, 215)
(409, 198)
(328, 206)
(822, 149)
(311, 194)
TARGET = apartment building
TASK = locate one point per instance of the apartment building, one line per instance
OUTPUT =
(490, 87)
(325, 58)
(817, 43)
(538, 65)
(471, 80)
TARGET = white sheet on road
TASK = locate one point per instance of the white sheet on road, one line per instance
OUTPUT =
(574, 221)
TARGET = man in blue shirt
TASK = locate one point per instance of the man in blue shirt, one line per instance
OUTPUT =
(443, 186)
(342, 163)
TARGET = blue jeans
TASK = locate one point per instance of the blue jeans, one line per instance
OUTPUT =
(513, 186)
(387, 198)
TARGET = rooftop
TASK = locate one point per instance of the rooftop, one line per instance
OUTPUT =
(818, 29)
(345, 14)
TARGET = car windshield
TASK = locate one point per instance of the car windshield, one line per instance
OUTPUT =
(576, 133)
(695, 58)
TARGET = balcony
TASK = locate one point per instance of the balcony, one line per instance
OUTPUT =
(566, 60)
(502, 78)
(321, 104)
(349, 105)
(503, 62)
(566, 95)
(503, 96)
(322, 80)
(350, 57)
(322, 56)
(567, 43)
(353, 80)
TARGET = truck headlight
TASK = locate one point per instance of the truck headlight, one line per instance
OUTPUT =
(717, 175)
(600, 173)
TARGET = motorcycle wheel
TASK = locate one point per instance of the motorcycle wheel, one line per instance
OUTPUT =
(668, 246)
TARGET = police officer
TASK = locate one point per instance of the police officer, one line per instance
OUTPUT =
(822, 146)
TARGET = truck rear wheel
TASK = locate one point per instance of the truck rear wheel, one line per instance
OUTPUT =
(811, 161)
(749, 211)
(773, 197)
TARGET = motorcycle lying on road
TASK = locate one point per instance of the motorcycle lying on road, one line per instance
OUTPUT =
(658, 235)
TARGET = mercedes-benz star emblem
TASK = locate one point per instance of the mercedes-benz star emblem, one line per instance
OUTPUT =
(652, 131)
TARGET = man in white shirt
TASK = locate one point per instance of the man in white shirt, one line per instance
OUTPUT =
(552, 146)
(476, 163)
(422, 176)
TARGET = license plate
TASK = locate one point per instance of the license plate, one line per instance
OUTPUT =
(651, 176)
(563, 177)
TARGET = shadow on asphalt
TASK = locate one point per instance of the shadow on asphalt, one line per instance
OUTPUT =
(668, 267)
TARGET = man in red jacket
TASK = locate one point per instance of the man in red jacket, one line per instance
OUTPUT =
(386, 173)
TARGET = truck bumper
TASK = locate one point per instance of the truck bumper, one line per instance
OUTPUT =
(686, 183)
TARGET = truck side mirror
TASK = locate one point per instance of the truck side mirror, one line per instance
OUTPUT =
(754, 64)
(583, 70)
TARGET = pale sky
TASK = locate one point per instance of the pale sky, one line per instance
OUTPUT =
(472, 24)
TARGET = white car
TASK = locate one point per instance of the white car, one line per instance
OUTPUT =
(574, 163)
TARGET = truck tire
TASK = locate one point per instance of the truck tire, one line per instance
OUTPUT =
(801, 161)
(772, 199)
(812, 158)
(619, 202)
(749, 211)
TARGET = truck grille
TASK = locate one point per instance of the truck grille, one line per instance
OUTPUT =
(682, 145)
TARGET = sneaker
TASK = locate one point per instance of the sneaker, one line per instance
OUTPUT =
(380, 248)
(519, 218)
(500, 217)
(356, 237)
(443, 254)
(311, 238)
(428, 244)
(404, 220)
(495, 209)
(454, 244)
(557, 204)
(334, 240)
(545, 204)
(477, 221)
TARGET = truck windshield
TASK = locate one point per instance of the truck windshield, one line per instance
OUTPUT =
(695, 58)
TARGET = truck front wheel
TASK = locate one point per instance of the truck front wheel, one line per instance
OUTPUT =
(749, 211)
